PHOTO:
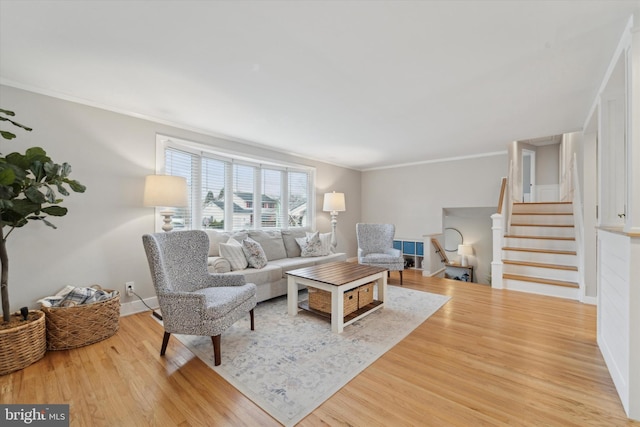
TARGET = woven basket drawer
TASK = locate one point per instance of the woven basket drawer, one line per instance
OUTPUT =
(321, 300)
(365, 295)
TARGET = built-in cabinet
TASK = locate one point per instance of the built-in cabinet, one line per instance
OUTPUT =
(412, 251)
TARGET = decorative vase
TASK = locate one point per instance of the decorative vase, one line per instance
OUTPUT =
(24, 344)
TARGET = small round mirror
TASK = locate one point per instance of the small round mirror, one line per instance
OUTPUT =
(452, 238)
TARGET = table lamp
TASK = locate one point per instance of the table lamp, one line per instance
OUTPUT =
(165, 191)
(464, 251)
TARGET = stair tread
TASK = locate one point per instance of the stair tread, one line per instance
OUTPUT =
(522, 236)
(542, 203)
(548, 251)
(540, 280)
(542, 213)
(543, 225)
(541, 265)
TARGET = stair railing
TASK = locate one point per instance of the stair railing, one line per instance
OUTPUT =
(498, 231)
(574, 192)
(435, 260)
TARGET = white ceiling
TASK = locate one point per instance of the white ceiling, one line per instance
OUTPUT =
(363, 84)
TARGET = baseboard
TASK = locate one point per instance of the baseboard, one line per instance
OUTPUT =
(133, 307)
(590, 300)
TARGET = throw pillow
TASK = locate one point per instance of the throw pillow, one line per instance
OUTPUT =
(325, 240)
(254, 253)
(310, 246)
(232, 252)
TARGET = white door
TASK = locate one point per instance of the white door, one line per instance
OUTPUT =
(528, 175)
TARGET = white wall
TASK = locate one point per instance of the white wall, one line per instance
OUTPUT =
(412, 197)
(99, 241)
(547, 164)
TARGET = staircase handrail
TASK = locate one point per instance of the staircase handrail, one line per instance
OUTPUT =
(438, 248)
(574, 191)
(503, 189)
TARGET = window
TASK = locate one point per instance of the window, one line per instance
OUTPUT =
(232, 193)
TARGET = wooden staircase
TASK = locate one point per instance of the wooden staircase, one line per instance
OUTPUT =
(539, 255)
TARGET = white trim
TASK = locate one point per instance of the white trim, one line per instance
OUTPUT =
(133, 307)
(447, 159)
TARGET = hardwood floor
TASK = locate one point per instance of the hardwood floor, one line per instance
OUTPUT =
(488, 357)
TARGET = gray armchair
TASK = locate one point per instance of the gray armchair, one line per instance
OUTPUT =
(194, 301)
(375, 247)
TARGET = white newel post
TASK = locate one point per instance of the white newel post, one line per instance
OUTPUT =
(496, 264)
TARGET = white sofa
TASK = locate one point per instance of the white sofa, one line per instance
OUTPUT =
(283, 254)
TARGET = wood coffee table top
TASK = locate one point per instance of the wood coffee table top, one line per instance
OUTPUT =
(336, 273)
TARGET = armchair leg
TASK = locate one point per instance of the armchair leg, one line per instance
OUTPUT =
(252, 323)
(216, 349)
(165, 341)
(400, 277)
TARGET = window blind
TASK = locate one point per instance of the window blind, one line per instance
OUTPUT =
(230, 193)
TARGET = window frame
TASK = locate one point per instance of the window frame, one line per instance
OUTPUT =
(202, 150)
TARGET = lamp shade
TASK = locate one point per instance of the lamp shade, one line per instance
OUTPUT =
(165, 191)
(465, 250)
(334, 202)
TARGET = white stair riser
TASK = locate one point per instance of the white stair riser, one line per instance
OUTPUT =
(542, 289)
(542, 231)
(543, 207)
(558, 245)
(543, 257)
(541, 272)
(542, 219)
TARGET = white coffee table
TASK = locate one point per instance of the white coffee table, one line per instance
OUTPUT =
(337, 278)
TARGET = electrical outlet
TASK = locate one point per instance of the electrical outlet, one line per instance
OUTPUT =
(129, 288)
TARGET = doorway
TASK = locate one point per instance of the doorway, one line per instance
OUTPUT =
(528, 175)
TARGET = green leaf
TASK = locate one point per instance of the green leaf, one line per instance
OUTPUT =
(51, 169)
(62, 190)
(7, 135)
(50, 195)
(55, 210)
(24, 207)
(7, 112)
(48, 223)
(38, 170)
(66, 170)
(75, 185)
(34, 195)
(7, 175)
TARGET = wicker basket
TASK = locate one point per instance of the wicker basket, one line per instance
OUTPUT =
(321, 300)
(84, 324)
(365, 295)
(23, 345)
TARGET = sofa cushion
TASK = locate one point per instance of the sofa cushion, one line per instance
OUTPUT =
(289, 238)
(270, 273)
(233, 252)
(271, 242)
(310, 246)
(288, 264)
(254, 253)
(325, 240)
(218, 264)
(216, 237)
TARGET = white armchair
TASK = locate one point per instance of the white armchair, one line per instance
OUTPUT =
(194, 301)
(375, 247)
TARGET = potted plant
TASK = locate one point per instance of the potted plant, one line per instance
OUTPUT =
(30, 188)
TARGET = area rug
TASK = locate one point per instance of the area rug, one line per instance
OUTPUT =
(290, 365)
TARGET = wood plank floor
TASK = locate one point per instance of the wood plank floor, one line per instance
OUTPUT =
(488, 357)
